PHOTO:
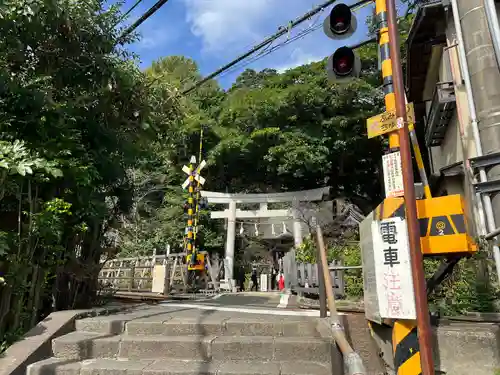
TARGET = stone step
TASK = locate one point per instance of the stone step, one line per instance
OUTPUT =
(54, 366)
(219, 324)
(84, 345)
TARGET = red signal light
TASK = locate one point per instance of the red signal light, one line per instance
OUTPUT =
(343, 61)
(340, 19)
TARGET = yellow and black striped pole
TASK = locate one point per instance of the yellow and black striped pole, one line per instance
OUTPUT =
(419, 160)
(386, 66)
(190, 245)
(197, 205)
(389, 95)
(404, 334)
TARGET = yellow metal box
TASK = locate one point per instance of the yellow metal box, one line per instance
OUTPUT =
(200, 262)
(442, 223)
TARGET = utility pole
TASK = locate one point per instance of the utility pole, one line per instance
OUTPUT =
(423, 319)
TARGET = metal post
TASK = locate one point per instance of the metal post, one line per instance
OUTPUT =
(321, 284)
(423, 320)
(402, 330)
(352, 361)
(474, 120)
(492, 18)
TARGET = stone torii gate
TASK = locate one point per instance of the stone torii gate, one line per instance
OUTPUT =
(232, 213)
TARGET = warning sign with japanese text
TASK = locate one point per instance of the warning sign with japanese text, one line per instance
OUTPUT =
(393, 174)
(387, 122)
(395, 292)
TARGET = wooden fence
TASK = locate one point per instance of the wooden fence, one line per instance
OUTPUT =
(135, 274)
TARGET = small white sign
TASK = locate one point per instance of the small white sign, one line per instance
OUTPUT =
(263, 282)
(159, 278)
(396, 297)
(393, 174)
(400, 123)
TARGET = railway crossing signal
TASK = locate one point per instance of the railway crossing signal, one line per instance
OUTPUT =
(341, 23)
(344, 64)
(197, 177)
(195, 260)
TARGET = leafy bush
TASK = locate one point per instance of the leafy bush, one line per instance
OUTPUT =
(349, 255)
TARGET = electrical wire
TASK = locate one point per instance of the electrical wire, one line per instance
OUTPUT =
(270, 49)
(281, 31)
(266, 47)
(125, 15)
(142, 18)
(236, 63)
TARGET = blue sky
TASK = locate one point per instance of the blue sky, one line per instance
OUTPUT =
(214, 32)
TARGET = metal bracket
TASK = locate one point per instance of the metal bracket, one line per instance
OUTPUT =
(493, 234)
(485, 161)
(444, 270)
(455, 169)
(490, 186)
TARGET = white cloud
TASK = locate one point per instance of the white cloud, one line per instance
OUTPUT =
(228, 28)
(153, 37)
(298, 57)
(224, 23)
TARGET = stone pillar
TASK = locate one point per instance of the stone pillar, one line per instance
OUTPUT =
(297, 240)
(297, 225)
(231, 233)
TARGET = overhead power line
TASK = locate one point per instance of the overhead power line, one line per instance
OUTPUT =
(143, 18)
(125, 15)
(313, 27)
(281, 31)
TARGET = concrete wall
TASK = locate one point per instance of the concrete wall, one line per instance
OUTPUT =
(459, 348)
(463, 349)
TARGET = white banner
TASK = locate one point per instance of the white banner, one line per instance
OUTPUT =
(393, 174)
(395, 291)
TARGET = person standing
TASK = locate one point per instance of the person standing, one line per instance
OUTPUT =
(281, 282)
(241, 278)
(273, 278)
(254, 279)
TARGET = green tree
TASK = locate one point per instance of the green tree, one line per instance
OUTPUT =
(75, 118)
(303, 131)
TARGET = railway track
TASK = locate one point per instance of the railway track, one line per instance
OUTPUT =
(152, 298)
(134, 297)
(356, 308)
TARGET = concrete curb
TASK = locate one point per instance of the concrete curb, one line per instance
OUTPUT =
(36, 344)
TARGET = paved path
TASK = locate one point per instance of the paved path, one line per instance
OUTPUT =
(271, 303)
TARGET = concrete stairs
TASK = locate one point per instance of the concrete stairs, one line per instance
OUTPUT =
(165, 340)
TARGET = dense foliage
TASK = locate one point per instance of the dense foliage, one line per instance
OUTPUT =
(74, 112)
